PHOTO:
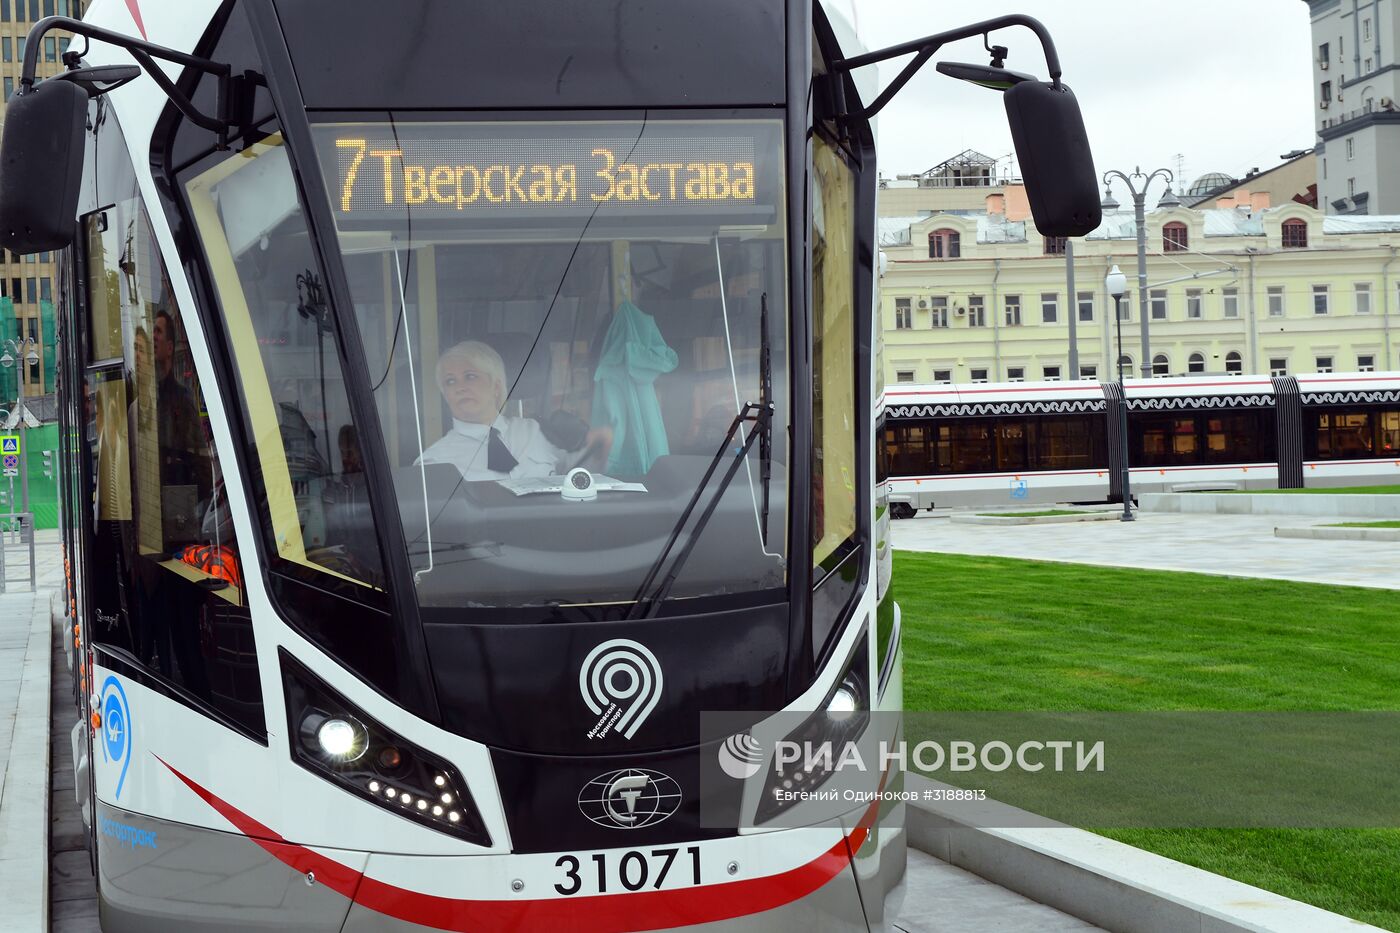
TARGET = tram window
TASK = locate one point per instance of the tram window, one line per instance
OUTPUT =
(1388, 433)
(1238, 437)
(833, 352)
(909, 449)
(166, 585)
(1067, 443)
(1013, 440)
(883, 451)
(1164, 440)
(1343, 435)
(562, 318)
(283, 340)
(967, 446)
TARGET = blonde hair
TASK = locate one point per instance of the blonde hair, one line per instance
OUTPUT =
(484, 358)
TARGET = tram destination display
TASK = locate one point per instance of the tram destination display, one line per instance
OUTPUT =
(379, 175)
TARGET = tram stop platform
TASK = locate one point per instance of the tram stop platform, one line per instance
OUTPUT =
(26, 656)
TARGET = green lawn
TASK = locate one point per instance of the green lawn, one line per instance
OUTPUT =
(986, 633)
(1032, 514)
(1329, 491)
(1365, 525)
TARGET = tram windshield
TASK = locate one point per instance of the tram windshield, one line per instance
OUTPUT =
(535, 298)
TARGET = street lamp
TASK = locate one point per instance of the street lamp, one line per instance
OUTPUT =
(1116, 283)
(15, 347)
(1109, 204)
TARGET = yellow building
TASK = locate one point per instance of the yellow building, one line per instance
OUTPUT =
(971, 296)
(30, 281)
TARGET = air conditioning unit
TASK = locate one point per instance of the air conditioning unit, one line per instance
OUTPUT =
(1387, 103)
(1325, 104)
(923, 304)
(1324, 64)
(959, 310)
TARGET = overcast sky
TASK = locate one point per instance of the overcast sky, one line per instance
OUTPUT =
(1227, 84)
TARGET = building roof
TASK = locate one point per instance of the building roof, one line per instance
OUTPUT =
(966, 157)
(894, 231)
(1209, 183)
(1227, 221)
(1196, 198)
(1121, 225)
(1361, 223)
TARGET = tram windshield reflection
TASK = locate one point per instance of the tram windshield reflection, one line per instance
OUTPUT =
(536, 297)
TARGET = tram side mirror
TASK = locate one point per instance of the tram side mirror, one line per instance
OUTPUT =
(1057, 165)
(41, 166)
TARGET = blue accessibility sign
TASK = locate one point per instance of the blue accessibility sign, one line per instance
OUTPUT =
(1019, 489)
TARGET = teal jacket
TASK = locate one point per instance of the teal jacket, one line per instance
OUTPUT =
(624, 391)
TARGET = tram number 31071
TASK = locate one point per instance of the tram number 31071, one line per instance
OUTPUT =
(632, 870)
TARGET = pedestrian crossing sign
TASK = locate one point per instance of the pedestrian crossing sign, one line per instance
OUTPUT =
(9, 444)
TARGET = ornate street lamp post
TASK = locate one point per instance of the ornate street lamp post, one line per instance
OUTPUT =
(1139, 194)
(1116, 284)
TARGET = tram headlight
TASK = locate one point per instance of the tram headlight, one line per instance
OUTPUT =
(338, 738)
(840, 719)
(340, 743)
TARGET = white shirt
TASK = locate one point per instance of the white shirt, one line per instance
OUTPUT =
(465, 447)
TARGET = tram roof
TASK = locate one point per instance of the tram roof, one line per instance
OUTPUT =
(1165, 387)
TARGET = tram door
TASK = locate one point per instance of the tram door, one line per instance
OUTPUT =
(164, 584)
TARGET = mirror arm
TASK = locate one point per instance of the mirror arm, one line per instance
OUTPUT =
(927, 46)
(145, 54)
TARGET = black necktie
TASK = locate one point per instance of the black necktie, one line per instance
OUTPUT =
(498, 455)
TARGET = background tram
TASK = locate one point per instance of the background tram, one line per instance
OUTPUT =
(1037, 442)
(341, 665)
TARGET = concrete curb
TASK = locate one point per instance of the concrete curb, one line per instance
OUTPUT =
(1346, 505)
(24, 789)
(1340, 534)
(973, 518)
(1098, 880)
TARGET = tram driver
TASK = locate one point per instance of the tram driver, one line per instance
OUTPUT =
(486, 444)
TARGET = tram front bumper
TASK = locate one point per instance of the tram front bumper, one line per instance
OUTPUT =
(163, 876)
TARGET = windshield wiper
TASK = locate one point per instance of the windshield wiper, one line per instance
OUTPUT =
(765, 398)
(762, 416)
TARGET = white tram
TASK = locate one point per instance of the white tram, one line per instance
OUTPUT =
(461, 401)
(1042, 442)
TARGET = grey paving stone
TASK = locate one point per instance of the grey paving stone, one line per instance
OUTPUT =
(70, 876)
(74, 916)
(1233, 545)
(940, 898)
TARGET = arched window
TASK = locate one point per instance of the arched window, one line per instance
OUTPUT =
(1295, 234)
(1234, 364)
(1196, 363)
(944, 244)
(1125, 366)
(1161, 366)
(1174, 237)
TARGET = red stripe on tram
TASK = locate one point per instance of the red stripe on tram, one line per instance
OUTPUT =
(602, 913)
(135, 7)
